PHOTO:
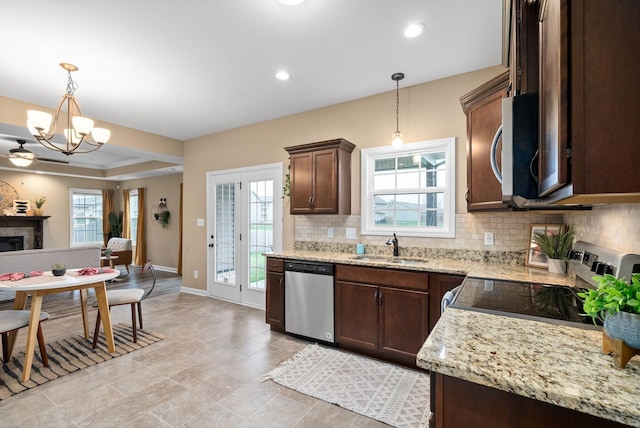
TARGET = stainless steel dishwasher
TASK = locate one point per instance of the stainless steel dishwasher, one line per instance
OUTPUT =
(308, 300)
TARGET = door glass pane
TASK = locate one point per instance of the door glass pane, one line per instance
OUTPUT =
(225, 232)
(260, 230)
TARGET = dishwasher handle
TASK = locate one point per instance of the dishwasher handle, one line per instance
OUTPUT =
(309, 267)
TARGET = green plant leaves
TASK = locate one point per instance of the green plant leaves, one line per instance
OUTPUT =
(612, 295)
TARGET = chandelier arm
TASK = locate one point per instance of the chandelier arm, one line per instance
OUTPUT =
(75, 149)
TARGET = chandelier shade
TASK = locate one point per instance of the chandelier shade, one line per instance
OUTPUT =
(77, 129)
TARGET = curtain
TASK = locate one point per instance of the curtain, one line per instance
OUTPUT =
(107, 207)
(141, 244)
(126, 216)
(180, 235)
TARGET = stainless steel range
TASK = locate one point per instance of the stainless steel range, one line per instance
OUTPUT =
(588, 260)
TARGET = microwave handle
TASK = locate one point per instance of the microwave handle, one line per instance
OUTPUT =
(494, 155)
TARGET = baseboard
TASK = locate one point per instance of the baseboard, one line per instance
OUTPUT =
(194, 291)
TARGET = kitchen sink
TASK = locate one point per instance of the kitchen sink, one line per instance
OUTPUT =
(393, 260)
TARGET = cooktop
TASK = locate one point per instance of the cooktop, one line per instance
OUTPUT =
(541, 302)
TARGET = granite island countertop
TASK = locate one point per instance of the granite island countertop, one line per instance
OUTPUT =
(556, 364)
(477, 269)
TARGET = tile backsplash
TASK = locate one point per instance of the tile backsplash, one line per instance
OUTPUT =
(615, 226)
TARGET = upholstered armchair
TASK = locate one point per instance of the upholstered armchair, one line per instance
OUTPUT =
(122, 248)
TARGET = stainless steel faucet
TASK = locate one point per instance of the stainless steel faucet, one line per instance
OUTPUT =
(394, 241)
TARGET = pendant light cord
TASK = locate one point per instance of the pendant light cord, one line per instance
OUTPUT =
(397, 106)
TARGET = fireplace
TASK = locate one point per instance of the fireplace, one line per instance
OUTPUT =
(11, 243)
(31, 229)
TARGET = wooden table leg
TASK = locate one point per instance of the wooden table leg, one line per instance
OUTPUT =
(34, 320)
(105, 316)
(85, 315)
(19, 303)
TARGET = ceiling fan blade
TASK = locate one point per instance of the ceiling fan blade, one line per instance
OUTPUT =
(51, 160)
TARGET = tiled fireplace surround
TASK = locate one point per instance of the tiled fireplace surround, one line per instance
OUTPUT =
(615, 226)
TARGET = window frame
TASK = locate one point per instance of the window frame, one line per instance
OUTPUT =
(367, 173)
(72, 193)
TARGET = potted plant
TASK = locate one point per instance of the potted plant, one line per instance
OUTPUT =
(58, 269)
(115, 221)
(616, 302)
(38, 203)
(556, 247)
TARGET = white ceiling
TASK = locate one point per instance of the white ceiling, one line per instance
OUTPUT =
(196, 67)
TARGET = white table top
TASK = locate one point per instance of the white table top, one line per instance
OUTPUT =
(48, 281)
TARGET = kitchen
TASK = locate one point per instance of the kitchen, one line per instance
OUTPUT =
(428, 111)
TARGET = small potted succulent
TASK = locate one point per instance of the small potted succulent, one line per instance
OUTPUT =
(58, 269)
(616, 302)
(556, 247)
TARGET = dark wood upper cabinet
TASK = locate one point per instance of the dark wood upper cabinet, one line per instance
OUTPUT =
(589, 100)
(483, 107)
(321, 177)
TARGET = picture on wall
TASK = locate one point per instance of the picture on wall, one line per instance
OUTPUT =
(535, 257)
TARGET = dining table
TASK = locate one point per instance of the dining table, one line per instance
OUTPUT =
(42, 285)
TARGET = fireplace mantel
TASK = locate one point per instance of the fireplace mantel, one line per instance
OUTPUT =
(34, 221)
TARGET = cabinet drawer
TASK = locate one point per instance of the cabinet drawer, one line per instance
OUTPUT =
(382, 276)
(275, 265)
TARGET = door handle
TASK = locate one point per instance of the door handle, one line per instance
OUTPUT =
(211, 245)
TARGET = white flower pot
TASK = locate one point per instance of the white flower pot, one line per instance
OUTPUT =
(557, 266)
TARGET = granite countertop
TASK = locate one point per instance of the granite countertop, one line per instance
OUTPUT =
(504, 271)
(553, 363)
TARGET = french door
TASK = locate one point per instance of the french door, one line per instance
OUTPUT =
(244, 220)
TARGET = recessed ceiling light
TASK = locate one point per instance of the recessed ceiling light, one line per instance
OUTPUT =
(414, 30)
(282, 75)
(291, 2)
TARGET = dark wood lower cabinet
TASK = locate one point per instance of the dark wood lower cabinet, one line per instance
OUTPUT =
(274, 312)
(382, 312)
(457, 403)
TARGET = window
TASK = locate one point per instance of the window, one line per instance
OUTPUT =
(133, 215)
(409, 191)
(86, 217)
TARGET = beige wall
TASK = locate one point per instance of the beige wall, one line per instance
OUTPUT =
(162, 244)
(427, 111)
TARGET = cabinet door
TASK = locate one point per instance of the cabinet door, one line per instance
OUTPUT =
(275, 301)
(483, 107)
(356, 315)
(439, 284)
(404, 322)
(553, 115)
(302, 183)
(324, 199)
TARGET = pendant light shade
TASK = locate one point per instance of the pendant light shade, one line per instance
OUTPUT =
(396, 138)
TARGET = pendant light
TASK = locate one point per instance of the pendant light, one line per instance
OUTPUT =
(396, 138)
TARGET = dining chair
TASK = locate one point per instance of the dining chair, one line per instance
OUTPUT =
(128, 296)
(11, 320)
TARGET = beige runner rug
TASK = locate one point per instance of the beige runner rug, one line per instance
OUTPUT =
(69, 355)
(388, 393)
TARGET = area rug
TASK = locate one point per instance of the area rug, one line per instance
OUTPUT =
(391, 394)
(69, 355)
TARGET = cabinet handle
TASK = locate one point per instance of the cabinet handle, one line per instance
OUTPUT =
(380, 298)
(375, 297)
(466, 196)
(281, 281)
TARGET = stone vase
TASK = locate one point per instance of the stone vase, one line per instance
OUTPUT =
(557, 266)
(624, 326)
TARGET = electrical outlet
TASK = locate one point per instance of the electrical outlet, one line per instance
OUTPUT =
(330, 232)
(488, 285)
(351, 233)
(195, 274)
(488, 238)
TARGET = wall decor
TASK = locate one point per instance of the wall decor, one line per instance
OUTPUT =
(7, 195)
(535, 256)
(21, 206)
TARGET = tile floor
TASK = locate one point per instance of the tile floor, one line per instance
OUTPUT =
(206, 373)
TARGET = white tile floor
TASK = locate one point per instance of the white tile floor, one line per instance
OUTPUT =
(206, 373)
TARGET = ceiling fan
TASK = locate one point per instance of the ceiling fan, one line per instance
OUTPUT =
(23, 157)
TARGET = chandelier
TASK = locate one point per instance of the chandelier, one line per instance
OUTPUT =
(396, 138)
(77, 129)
